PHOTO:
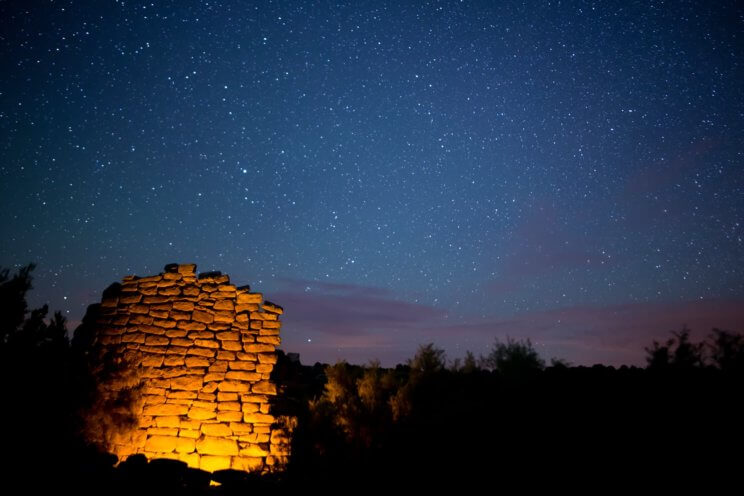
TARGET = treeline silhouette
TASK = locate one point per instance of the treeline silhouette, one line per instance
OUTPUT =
(502, 420)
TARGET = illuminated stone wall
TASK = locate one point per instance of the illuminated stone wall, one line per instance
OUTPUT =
(201, 351)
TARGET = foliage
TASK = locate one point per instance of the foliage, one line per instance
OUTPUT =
(21, 330)
(428, 360)
(727, 350)
(513, 357)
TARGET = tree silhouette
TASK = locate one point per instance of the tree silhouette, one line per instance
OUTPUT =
(678, 352)
(727, 350)
(513, 357)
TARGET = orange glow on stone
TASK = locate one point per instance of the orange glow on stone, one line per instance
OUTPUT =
(200, 352)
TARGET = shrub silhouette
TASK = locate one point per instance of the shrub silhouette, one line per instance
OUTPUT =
(513, 358)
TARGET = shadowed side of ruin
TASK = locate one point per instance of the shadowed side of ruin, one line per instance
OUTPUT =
(193, 359)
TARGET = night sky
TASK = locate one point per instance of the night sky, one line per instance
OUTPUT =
(392, 173)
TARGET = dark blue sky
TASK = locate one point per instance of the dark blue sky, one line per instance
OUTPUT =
(393, 173)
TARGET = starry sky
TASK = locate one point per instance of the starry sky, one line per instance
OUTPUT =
(393, 173)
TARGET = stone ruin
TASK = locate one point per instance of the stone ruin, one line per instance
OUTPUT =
(197, 354)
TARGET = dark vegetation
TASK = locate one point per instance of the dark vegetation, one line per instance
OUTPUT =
(497, 421)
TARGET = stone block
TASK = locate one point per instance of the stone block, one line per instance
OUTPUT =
(190, 290)
(207, 343)
(189, 382)
(254, 450)
(258, 348)
(187, 269)
(201, 414)
(151, 329)
(162, 431)
(190, 459)
(189, 433)
(241, 375)
(210, 387)
(227, 396)
(160, 350)
(267, 358)
(154, 340)
(257, 418)
(223, 316)
(249, 298)
(272, 307)
(225, 355)
(237, 365)
(152, 361)
(224, 305)
(228, 336)
(168, 421)
(120, 320)
(201, 335)
(203, 352)
(185, 445)
(218, 430)
(128, 299)
(231, 406)
(211, 445)
(178, 316)
(264, 368)
(229, 416)
(139, 308)
(233, 387)
(247, 307)
(201, 316)
(274, 340)
(263, 387)
(218, 366)
(207, 405)
(196, 361)
(140, 319)
(182, 395)
(133, 337)
(214, 463)
(190, 325)
(165, 409)
(161, 444)
(166, 324)
(183, 306)
(158, 314)
(173, 361)
(155, 299)
(232, 346)
(254, 398)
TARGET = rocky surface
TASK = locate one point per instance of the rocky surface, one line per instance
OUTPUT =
(201, 351)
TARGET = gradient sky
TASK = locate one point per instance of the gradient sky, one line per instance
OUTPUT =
(392, 173)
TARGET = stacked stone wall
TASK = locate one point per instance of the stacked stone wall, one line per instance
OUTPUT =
(202, 351)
